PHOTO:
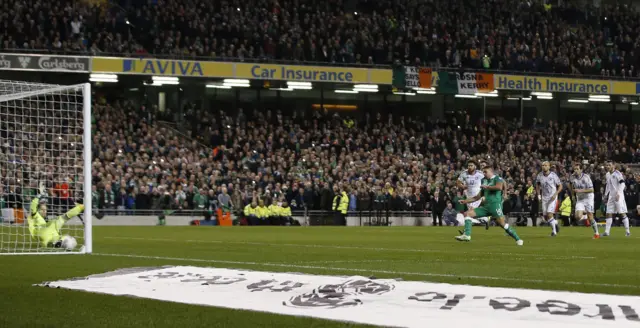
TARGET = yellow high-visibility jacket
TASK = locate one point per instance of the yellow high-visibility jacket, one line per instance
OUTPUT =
(565, 207)
(262, 212)
(285, 212)
(344, 203)
(250, 211)
(530, 191)
(274, 210)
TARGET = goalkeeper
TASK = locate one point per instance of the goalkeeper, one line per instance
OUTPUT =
(48, 233)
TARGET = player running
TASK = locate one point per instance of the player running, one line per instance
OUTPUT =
(548, 186)
(492, 186)
(582, 190)
(614, 197)
(470, 181)
(48, 234)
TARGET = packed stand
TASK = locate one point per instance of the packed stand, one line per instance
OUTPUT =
(497, 34)
(381, 163)
(401, 164)
(266, 165)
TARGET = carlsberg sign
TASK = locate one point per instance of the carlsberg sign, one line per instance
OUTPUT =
(62, 64)
(44, 63)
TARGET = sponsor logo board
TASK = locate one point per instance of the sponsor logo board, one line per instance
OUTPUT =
(194, 68)
(53, 63)
(47, 63)
(4, 62)
(383, 302)
(551, 84)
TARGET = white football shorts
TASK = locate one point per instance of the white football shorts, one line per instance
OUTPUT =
(585, 205)
(549, 206)
(475, 204)
(618, 207)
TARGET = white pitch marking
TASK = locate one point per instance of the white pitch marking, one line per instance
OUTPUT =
(351, 261)
(409, 250)
(315, 267)
(397, 261)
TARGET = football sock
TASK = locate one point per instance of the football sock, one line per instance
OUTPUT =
(607, 229)
(594, 226)
(554, 225)
(511, 232)
(467, 226)
(625, 221)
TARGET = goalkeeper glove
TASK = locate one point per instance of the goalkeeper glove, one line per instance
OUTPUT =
(43, 193)
(43, 199)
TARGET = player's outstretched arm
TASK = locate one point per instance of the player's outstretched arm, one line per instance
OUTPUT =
(35, 219)
(33, 208)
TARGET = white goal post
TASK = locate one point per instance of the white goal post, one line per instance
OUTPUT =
(45, 168)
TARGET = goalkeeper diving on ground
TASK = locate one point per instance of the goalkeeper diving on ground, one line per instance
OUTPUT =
(48, 233)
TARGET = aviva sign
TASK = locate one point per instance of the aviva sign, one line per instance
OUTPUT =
(253, 71)
(162, 67)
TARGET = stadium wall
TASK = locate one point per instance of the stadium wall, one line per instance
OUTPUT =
(136, 220)
(140, 220)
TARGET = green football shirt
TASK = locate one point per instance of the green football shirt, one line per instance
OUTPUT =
(492, 196)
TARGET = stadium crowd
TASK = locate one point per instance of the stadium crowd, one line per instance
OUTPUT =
(494, 34)
(302, 159)
(381, 162)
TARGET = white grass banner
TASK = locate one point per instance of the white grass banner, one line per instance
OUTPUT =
(383, 302)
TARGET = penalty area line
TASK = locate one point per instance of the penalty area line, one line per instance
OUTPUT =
(356, 270)
(408, 250)
(398, 261)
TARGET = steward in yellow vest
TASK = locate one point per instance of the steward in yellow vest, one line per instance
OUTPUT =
(262, 212)
(274, 214)
(251, 213)
(285, 214)
(565, 210)
(340, 206)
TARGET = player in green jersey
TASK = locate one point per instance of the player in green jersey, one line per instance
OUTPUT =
(492, 187)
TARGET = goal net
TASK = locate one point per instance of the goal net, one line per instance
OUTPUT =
(45, 168)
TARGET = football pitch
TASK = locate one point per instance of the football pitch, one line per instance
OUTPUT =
(570, 262)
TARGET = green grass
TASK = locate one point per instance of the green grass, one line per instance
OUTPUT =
(572, 261)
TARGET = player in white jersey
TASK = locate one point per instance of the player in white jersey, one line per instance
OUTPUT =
(470, 181)
(582, 190)
(614, 198)
(548, 186)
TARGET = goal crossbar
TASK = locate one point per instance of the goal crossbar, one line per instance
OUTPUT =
(31, 94)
